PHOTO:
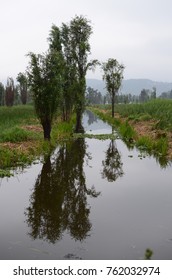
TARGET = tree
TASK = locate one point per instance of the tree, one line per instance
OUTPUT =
(9, 92)
(72, 42)
(153, 93)
(60, 41)
(17, 99)
(93, 96)
(112, 165)
(59, 199)
(2, 92)
(79, 34)
(23, 84)
(144, 95)
(44, 74)
(113, 75)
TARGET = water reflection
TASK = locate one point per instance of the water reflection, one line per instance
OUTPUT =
(91, 117)
(112, 165)
(59, 199)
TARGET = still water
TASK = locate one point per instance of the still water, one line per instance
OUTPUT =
(91, 199)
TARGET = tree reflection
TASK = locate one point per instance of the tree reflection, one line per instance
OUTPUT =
(91, 117)
(59, 200)
(112, 165)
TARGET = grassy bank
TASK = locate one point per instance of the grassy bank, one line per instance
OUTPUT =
(147, 126)
(160, 110)
(21, 137)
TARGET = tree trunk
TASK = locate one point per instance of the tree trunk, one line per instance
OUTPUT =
(113, 105)
(79, 128)
(46, 124)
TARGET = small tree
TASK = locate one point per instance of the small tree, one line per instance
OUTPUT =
(9, 92)
(144, 95)
(22, 79)
(113, 75)
(44, 74)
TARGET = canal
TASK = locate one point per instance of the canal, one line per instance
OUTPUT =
(90, 199)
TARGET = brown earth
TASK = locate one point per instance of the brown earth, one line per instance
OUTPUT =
(34, 128)
(25, 146)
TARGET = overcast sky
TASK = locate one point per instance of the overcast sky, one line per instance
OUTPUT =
(138, 33)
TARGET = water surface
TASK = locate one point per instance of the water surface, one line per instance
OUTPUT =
(91, 199)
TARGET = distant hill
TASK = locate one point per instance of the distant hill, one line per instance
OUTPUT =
(133, 86)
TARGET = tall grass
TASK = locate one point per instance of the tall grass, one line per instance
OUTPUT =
(11, 118)
(160, 145)
(160, 110)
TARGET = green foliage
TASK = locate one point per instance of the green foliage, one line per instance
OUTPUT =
(127, 131)
(145, 143)
(80, 31)
(93, 96)
(5, 173)
(95, 136)
(159, 146)
(113, 75)
(45, 81)
(44, 74)
(23, 85)
(57, 78)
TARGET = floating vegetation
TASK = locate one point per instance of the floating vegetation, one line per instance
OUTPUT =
(5, 173)
(95, 136)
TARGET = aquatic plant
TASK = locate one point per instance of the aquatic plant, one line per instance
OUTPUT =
(148, 254)
(127, 131)
(95, 136)
(5, 173)
(159, 146)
